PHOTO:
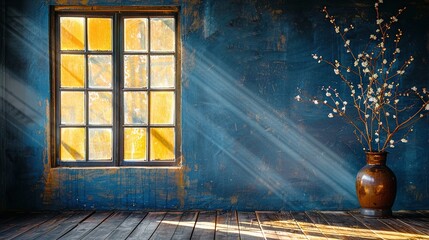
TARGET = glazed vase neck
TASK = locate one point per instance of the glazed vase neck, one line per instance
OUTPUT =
(376, 158)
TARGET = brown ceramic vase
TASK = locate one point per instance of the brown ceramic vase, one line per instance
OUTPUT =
(376, 186)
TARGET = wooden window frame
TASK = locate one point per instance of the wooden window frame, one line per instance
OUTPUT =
(117, 14)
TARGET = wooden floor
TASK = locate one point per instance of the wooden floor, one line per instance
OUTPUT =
(212, 225)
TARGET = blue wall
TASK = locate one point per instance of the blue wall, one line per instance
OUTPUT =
(246, 143)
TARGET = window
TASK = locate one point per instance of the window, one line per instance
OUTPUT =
(115, 86)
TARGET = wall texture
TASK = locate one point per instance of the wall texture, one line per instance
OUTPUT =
(246, 143)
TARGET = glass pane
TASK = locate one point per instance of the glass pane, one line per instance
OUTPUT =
(162, 34)
(100, 34)
(72, 70)
(162, 71)
(100, 71)
(162, 108)
(135, 144)
(100, 144)
(72, 108)
(100, 108)
(135, 71)
(135, 34)
(72, 144)
(162, 144)
(135, 107)
(72, 33)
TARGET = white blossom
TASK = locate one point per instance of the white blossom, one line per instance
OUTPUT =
(366, 115)
(377, 140)
(366, 70)
(397, 50)
(298, 98)
(337, 29)
(347, 43)
(379, 21)
(315, 56)
(336, 71)
(414, 88)
(387, 114)
(373, 37)
(404, 140)
(337, 103)
(427, 107)
(384, 61)
(315, 101)
(330, 115)
(356, 62)
(364, 64)
(328, 94)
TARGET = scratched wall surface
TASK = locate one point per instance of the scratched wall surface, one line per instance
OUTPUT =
(246, 143)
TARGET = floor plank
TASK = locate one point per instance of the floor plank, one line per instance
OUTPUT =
(279, 225)
(383, 230)
(400, 226)
(44, 227)
(186, 226)
(321, 224)
(414, 219)
(107, 226)
(21, 225)
(342, 224)
(127, 226)
(148, 226)
(167, 227)
(249, 226)
(205, 226)
(85, 227)
(66, 226)
(310, 230)
(227, 225)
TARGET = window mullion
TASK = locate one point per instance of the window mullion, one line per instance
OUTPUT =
(86, 87)
(149, 87)
(117, 86)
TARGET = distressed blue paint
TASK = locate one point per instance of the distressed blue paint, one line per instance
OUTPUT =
(246, 143)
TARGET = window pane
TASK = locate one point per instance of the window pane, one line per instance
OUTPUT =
(162, 34)
(72, 108)
(100, 108)
(100, 71)
(162, 144)
(100, 34)
(100, 144)
(72, 33)
(162, 71)
(135, 107)
(135, 34)
(135, 144)
(72, 70)
(162, 108)
(72, 144)
(135, 71)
